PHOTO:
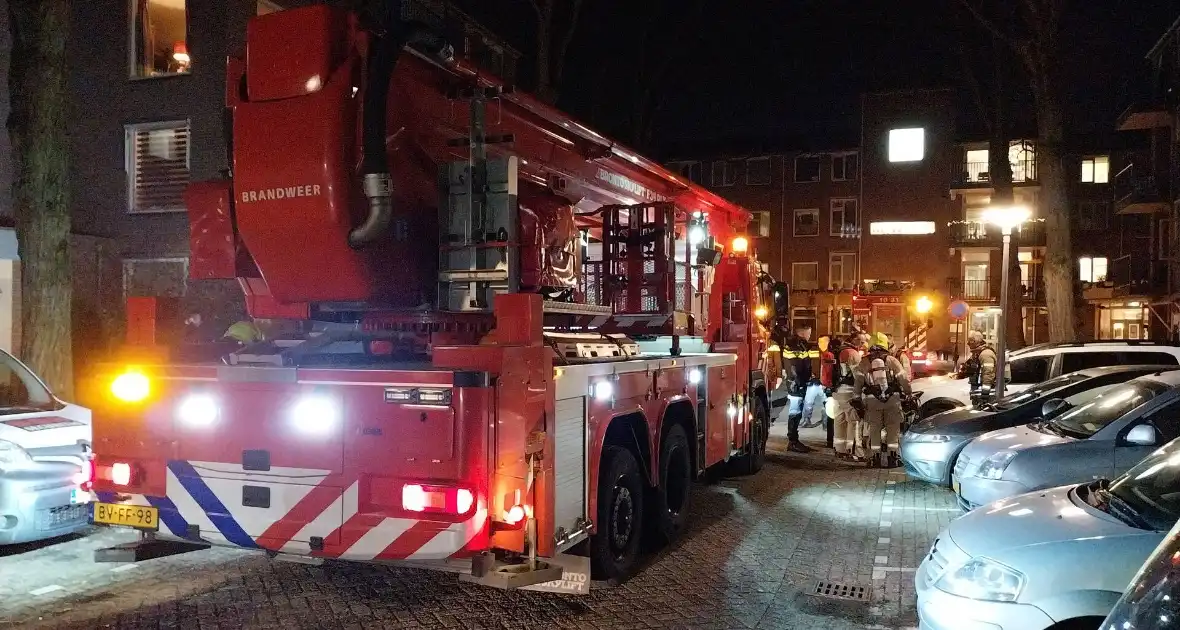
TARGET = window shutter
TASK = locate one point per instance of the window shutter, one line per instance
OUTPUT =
(159, 167)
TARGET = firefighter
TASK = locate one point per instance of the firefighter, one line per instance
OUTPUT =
(804, 388)
(880, 384)
(844, 418)
(980, 367)
(901, 355)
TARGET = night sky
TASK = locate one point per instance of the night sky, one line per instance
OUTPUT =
(789, 74)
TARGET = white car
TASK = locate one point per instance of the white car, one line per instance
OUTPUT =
(1057, 558)
(44, 458)
(1035, 364)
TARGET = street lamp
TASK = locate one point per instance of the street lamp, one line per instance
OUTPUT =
(1006, 218)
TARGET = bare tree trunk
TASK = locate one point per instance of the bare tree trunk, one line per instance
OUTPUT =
(37, 124)
(1054, 203)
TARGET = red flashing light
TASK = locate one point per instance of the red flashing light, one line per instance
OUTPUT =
(515, 515)
(437, 499)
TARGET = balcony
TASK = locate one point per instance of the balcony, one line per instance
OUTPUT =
(1138, 191)
(1144, 113)
(1129, 276)
(989, 290)
(977, 174)
(981, 234)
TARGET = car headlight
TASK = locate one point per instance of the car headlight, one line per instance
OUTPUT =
(994, 466)
(928, 437)
(13, 456)
(985, 580)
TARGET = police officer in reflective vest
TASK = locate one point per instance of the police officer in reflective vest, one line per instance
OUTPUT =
(881, 381)
(804, 388)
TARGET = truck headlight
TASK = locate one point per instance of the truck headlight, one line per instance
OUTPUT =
(928, 437)
(994, 466)
(983, 579)
(315, 414)
(13, 456)
(198, 410)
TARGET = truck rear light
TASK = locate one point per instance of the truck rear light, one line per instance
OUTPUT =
(121, 473)
(515, 515)
(437, 499)
(418, 395)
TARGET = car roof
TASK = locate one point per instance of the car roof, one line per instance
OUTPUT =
(1170, 378)
(1101, 344)
(1117, 369)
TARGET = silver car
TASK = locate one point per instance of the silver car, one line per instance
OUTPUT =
(1058, 558)
(931, 446)
(1098, 438)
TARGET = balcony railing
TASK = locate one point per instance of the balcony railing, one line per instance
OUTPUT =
(1136, 190)
(979, 173)
(982, 234)
(1032, 292)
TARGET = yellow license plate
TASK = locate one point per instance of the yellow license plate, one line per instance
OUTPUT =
(137, 516)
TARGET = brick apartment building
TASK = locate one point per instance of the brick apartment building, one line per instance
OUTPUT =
(1147, 187)
(906, 223)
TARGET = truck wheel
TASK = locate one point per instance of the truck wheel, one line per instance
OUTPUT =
(614, 548)
(755, 457)
(670, 507)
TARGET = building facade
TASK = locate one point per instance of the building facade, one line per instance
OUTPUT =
(917, 242)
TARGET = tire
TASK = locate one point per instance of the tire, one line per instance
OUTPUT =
(671, 500)
(614, 548)
(755, 458)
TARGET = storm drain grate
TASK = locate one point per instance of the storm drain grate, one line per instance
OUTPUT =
(835, 590)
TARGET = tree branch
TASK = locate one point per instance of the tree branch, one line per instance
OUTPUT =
(564, 45)
(537, 7)
(1022, 48)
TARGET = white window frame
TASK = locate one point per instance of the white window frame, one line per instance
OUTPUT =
(129, 267)
(769, 171)
(846, 260)
(836, 227)
(132, 69)
(819, 171)
(795, 278)
(728, 174)
(906, 145)
(795, 223)
(129, 154)
(1086, 271)
(762, 223)
(1093, 161)
(808, 313)
(843, 157)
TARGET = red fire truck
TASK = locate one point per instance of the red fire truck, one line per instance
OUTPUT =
(509, 341)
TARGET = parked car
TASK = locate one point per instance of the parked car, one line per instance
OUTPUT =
(1039, 363)
(44, 458)
(1058, 558)
(1096, 438)
(1152, 601)
(930, 447)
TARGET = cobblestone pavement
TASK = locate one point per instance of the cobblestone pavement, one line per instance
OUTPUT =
(753, 558)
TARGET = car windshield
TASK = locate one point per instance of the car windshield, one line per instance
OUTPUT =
(1152, 487)
(1036, 391)
(1153, 598)
(1091, 416)
(20, 391)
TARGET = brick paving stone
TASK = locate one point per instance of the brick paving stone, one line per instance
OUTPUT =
(751, 560)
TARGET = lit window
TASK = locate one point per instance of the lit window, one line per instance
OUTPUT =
(762, 223)
(1096, 170)
(805, 276)
(844, 219)
(1092, 269)
(158, 38)
(157, 166)
(807, 222)
(899, 228)
(907, 145)
(803, 317)
(758, 171)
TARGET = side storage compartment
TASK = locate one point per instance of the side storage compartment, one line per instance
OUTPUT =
(570, 443)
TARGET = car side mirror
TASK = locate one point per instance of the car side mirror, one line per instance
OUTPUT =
(1142, 435)
(1052, 407)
